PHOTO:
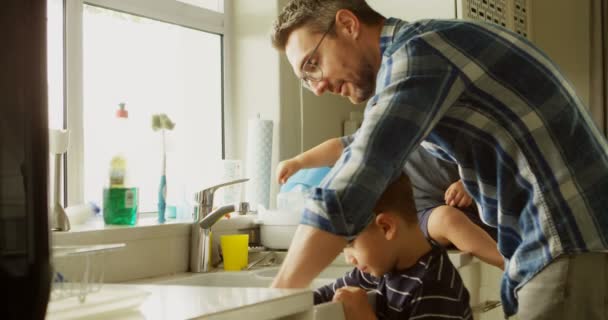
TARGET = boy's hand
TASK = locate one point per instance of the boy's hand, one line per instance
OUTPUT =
(457, 196)
(354, 302)
(286, 169)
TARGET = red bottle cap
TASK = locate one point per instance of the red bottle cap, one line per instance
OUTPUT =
(122, 112)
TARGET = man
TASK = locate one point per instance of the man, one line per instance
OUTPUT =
(476, 95)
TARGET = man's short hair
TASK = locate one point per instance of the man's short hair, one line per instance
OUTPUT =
(398, 198)
(317, 15)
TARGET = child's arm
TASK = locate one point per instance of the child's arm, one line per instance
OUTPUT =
(354, 278)
(355, 303)
(325, 154)
(457, 196)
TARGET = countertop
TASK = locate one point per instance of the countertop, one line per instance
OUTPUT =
(147, 298)
(134, 301)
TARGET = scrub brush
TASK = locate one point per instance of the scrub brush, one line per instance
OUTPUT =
(162, 122)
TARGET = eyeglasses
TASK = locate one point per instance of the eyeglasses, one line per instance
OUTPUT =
(312, 72)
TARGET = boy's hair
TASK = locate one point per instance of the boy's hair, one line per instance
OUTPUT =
(317, 15)
(398, 198)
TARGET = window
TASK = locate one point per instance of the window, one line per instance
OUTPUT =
(215, 5)
(55, 79)
(55, 63)
(156, 56)
(153, 67)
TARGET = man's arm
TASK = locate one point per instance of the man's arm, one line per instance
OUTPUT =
(310, 252)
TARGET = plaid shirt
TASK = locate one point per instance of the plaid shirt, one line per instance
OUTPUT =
(489, 101)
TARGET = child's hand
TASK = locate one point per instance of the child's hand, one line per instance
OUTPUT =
(457, 196)
(286, 169)
(354, 302)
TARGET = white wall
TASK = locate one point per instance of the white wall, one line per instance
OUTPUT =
(410, 10)
(561, 28)
(254, 75)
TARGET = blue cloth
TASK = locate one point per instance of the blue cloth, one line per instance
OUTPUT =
(305, 178)
(488, 100)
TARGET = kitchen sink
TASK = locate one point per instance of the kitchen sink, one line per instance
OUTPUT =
(254, 278)
(263, 278)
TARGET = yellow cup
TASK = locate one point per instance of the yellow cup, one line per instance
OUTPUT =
(235, 248)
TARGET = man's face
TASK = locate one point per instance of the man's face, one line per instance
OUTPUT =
(346, 70)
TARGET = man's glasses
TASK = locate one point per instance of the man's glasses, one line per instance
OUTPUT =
(311, 72)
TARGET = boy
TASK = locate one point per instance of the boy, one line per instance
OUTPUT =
(438, 194)
(411, 277)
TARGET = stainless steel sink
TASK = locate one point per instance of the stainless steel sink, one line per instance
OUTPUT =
(254, 278)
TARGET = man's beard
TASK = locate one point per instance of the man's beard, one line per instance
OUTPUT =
(366, 86)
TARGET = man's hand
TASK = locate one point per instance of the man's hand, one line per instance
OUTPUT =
(354, 302)
(286, 169)
(457, 196)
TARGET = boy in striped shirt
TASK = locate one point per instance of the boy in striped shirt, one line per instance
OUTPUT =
(412, 278)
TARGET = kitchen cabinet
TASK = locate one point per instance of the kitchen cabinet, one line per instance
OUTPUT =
(483, 282)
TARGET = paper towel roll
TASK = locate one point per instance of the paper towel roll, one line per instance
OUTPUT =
(258, 162)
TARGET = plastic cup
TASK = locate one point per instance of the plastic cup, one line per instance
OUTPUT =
(235, 249)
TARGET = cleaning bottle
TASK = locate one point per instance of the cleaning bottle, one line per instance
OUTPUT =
(120, 199)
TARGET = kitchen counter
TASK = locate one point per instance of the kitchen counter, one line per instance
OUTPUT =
(213, 295)
(132, 301)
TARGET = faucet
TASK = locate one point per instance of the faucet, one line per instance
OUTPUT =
(204, 219)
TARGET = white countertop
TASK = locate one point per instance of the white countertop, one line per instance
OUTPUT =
(132, 301)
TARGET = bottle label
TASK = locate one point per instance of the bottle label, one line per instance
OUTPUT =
(120, 205)
(129, 198)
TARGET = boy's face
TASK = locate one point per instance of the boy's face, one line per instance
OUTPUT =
(373, 251)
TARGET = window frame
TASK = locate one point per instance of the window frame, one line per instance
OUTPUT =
(169, 11)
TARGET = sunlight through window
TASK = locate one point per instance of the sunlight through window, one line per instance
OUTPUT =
(153, 67)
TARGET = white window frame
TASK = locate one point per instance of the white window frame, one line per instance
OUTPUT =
(169, 11)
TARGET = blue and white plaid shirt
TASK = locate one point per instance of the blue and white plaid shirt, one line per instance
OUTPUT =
(491, 102)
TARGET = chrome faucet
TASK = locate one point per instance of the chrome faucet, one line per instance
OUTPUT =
(204, 219)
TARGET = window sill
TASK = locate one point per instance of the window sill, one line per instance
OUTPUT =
(95, 231)
(145, 220)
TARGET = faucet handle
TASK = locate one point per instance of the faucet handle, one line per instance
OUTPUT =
(206, 195)
(243, 208)
(212, 189)
(223, 184)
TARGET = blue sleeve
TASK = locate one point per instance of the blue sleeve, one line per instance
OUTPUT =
(354, 278)
(414, 89)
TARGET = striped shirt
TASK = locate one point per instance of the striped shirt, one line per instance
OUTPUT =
(430, 289)
(488, 100)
